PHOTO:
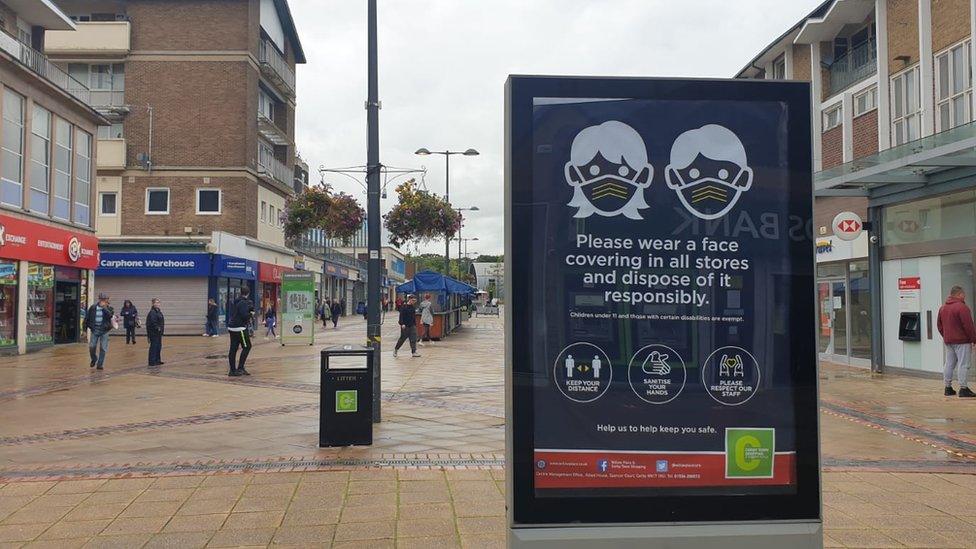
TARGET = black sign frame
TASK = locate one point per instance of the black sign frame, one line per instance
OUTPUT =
(669, 507)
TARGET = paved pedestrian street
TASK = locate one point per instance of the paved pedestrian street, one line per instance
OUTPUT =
(184, 456)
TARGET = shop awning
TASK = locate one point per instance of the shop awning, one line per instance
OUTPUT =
(429, 281)
(907, 167)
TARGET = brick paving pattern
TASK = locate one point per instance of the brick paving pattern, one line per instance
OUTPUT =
(183, 456)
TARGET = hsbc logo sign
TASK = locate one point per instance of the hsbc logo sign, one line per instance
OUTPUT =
(848, 226)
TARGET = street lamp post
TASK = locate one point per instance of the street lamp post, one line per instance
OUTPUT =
(447, 193)
(465, 256)
(373, 168)
(471, 209)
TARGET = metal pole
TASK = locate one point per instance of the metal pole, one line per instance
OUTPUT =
(459, 253)
(447, 198)
(373, 207)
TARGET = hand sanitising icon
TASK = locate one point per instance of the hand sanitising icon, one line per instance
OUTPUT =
(656, 363)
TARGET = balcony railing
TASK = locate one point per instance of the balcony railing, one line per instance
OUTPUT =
(311, 247)
(275, 68)
(272, 168)
(37, 62)
(854, 66)
(89, 38)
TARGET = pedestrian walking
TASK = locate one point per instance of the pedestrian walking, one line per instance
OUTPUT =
(241, 316)
(326, 312)
(270, 321)
(408, 326)
(342, 307)
(426, 316)
(336, 312)
(397, 303)
(212, 312)
(155, 326)
(100, 320)
(959, 335)
(130, 321)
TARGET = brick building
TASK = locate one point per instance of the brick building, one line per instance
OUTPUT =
(894, 139)
(48, 248)
(198, 157)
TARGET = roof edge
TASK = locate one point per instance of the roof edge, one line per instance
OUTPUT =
(817, 12)
(284, 14)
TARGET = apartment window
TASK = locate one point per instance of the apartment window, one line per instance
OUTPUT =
(157, 201)
(779, 68)
(265, 105)
(108, 204)
(832, 118)
(105, 80)
(264, 212)
(110, 132)
(40, 167)
(208, 201)
(906, 111)
(954, 88)
(844, 44)
(83, 148)
(271, 215)
(12, 156)
(866, 101)
(62, 168)
(265, 155)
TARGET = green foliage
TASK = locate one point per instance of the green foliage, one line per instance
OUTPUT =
(337, 214)
(420, 216)
(490, 259)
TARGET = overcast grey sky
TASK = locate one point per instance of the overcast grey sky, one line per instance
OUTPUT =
(443, 64)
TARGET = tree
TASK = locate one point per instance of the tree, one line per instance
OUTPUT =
(337, 214)
(490, 259)
(420, 216)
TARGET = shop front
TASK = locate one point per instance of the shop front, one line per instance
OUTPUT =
(337, 282)
(45, 283)
(231, 274)
(843, 301)
(179, 280)
(269, 286)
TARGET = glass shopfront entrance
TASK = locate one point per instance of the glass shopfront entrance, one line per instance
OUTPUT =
(844, 308)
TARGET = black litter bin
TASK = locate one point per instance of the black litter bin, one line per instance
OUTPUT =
(346, 403)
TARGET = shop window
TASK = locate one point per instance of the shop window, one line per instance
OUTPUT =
(208, 201)
(957, 270)
(953, 87)
(108, 204)
(930, 219)
(866, 101)
(83, 179)
(12, 151)
(40, 303)
(8, 303)
(157, 201)
(906, 110)
(63, 139)
(40, 160)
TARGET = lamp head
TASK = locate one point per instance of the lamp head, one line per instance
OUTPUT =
(471, 152)
(422, 152)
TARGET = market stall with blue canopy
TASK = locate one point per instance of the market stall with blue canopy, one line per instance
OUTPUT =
(450, 297)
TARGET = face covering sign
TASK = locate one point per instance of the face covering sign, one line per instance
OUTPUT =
(661, 344)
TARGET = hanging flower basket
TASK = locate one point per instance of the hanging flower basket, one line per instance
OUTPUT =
(337, 214)
(420, 216)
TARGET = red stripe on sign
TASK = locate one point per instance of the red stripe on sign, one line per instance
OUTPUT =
(556, 469)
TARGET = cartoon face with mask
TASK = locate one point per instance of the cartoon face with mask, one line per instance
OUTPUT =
(708, 170)
(608, 171)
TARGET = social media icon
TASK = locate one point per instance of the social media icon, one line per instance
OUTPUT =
(603, 465)
(662, 466)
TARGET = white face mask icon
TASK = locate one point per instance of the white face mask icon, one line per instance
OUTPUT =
(608, 171)
(708, 170)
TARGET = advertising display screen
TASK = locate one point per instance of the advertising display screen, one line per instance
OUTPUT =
(298, 308)
(661, 307)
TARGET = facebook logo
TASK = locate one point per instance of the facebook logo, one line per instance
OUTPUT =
(603, 465)
(662, 466)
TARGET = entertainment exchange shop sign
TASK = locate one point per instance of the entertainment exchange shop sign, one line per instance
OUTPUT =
(662, 340)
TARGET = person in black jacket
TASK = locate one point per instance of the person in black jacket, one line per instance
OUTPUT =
(155, 326)
(408, 326)
(212, 311)
(336, 311)
(99, 321)
(130, 317)
(240, 317)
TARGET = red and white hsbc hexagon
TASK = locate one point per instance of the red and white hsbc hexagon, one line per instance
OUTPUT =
(847, 225)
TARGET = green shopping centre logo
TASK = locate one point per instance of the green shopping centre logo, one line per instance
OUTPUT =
(749, 453)
(347, 401)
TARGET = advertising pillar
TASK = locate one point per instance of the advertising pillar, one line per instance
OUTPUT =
(298, 308)
(661, 384)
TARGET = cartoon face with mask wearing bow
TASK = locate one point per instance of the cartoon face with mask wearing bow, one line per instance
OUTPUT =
(708, 170)
(608, 170)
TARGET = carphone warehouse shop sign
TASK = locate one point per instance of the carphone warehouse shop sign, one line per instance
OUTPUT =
(661, 277)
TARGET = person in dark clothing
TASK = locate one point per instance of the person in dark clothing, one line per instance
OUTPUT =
(99, 321)
(270, 322)
(408, 326)
(155, 326)
(956, 327)
(336, 312)
(241, 316)
(326, 312)
(130, 318)
(342, 307)
(212, 312)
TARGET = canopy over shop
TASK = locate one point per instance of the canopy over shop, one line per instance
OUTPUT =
(450, 297)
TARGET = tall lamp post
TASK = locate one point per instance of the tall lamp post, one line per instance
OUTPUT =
(471, 209)
(447, 192)
(465, 256)
(373, 168)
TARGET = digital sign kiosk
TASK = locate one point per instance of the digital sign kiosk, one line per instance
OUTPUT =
(660, 322)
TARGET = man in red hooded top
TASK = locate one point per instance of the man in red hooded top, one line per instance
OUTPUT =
(959, 335)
